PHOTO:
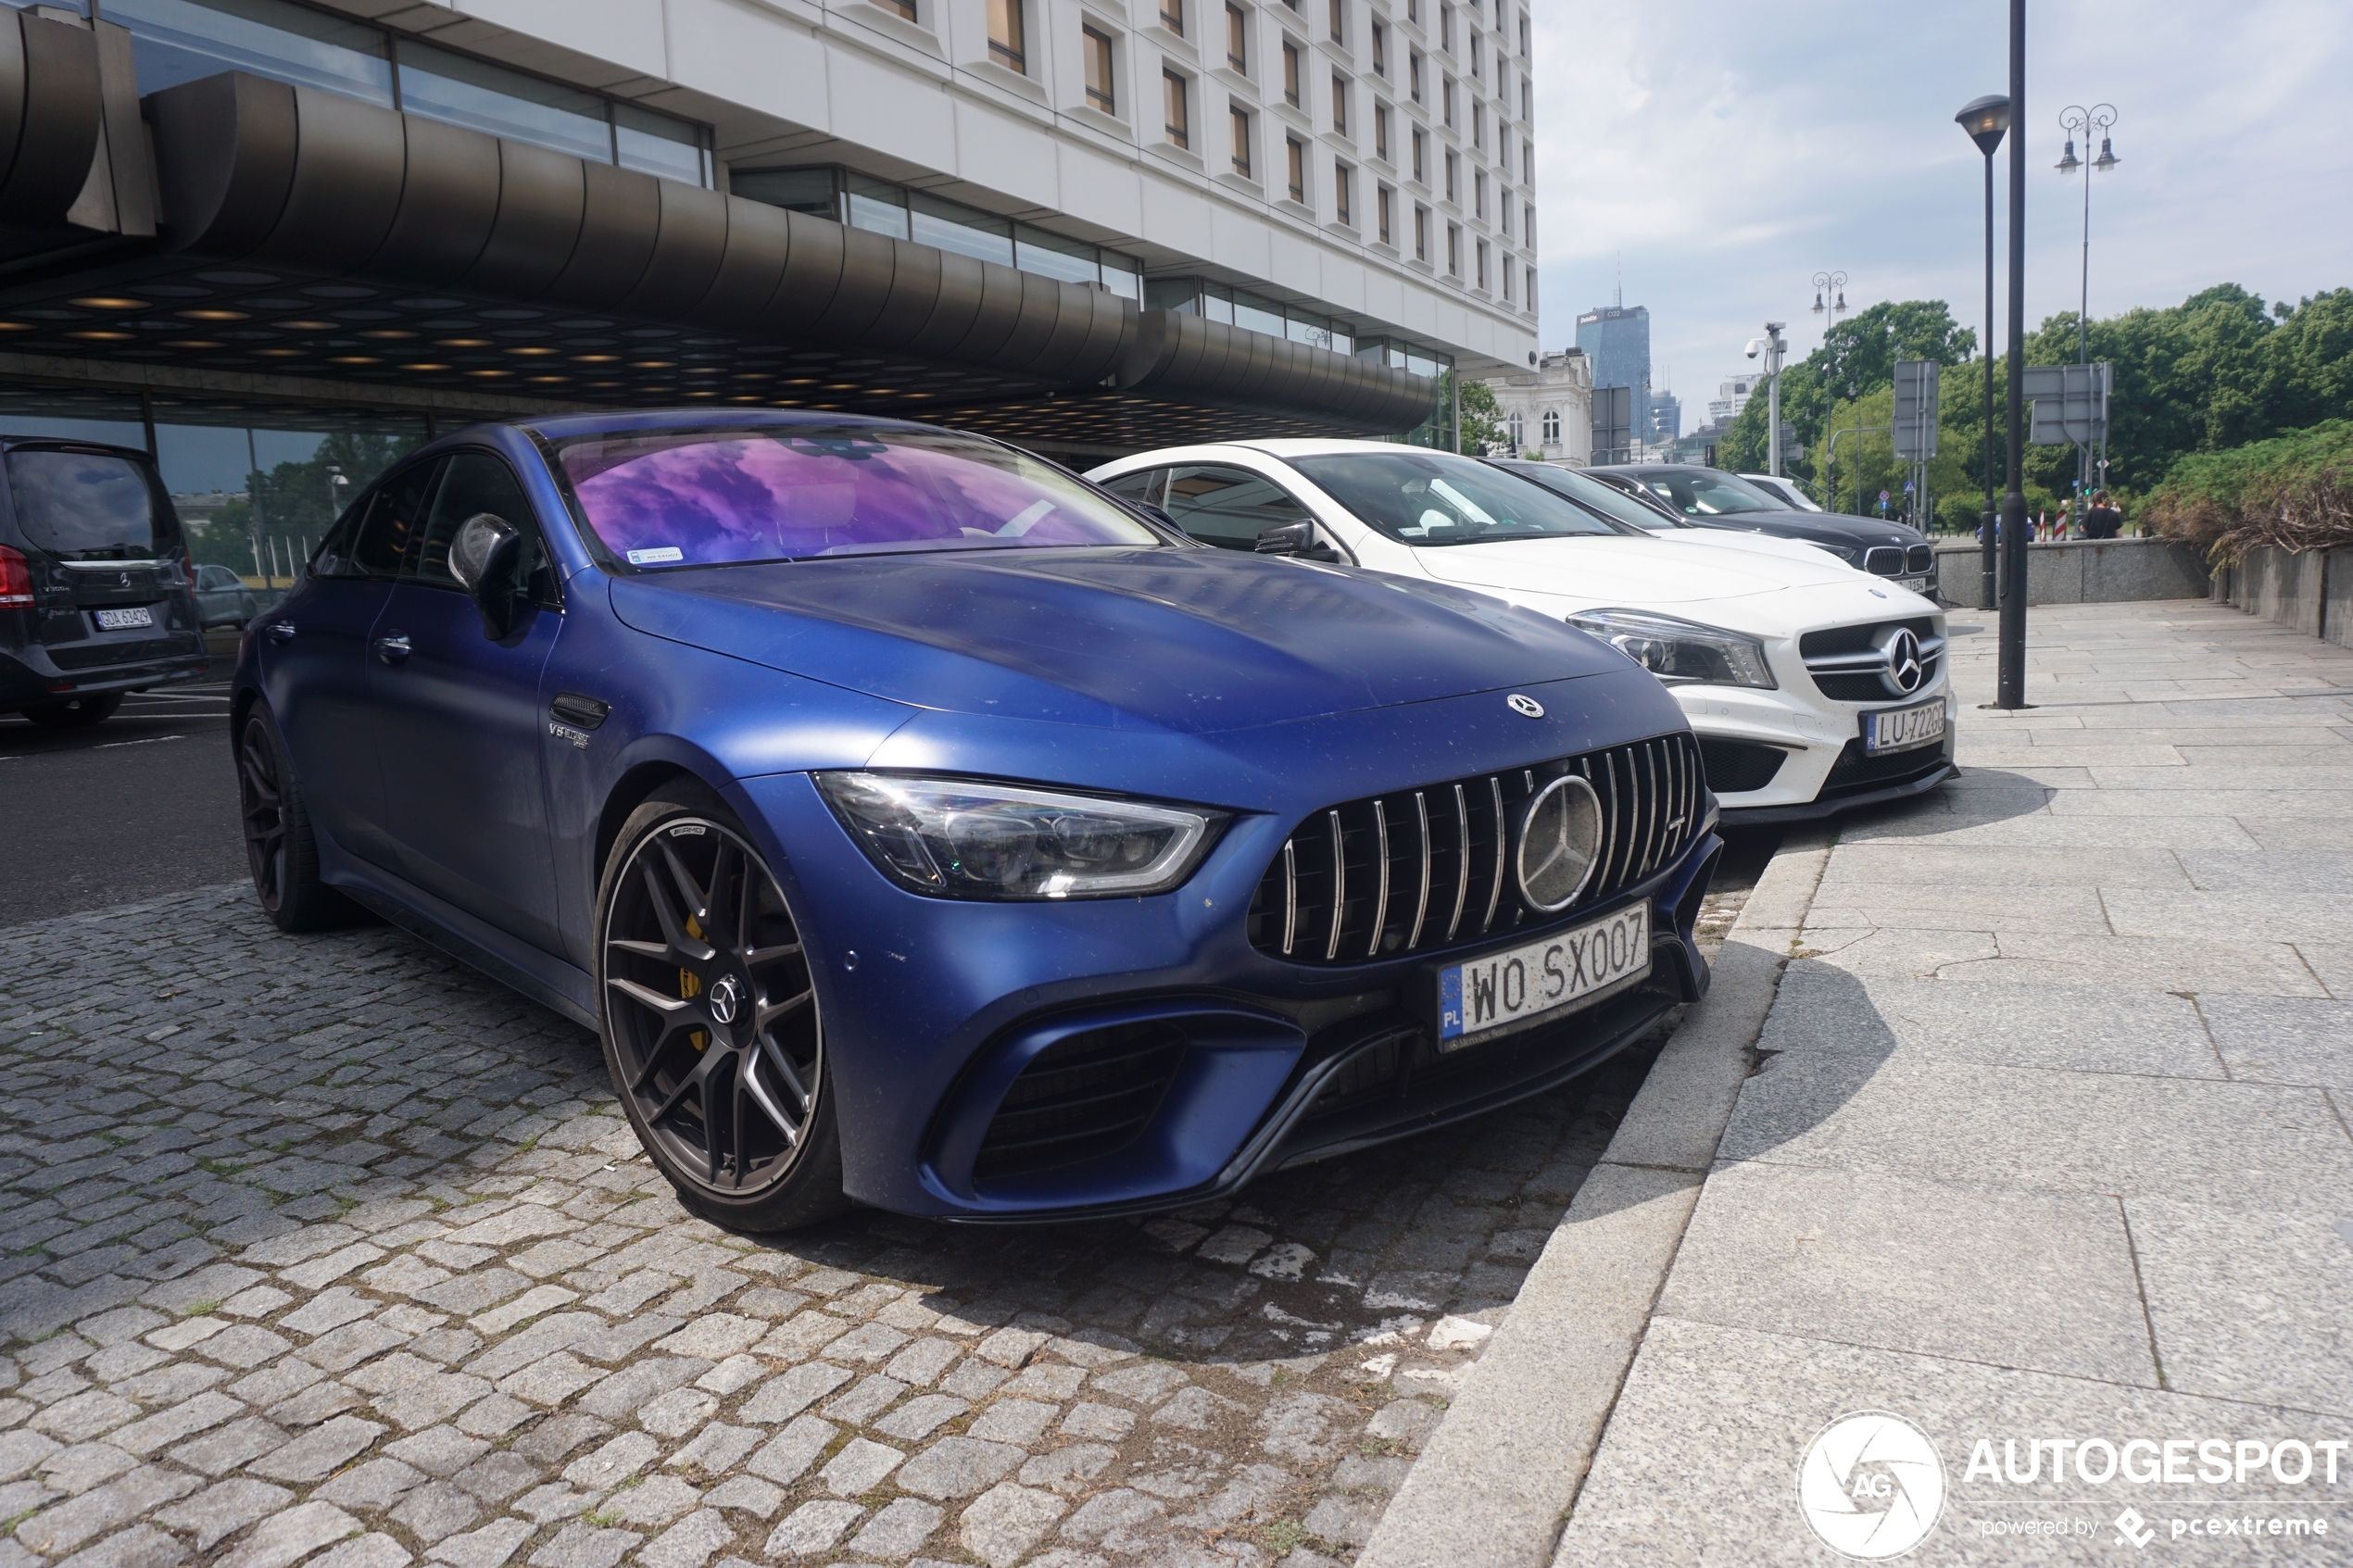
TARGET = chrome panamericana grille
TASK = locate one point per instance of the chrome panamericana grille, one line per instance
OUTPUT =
(1416, 870)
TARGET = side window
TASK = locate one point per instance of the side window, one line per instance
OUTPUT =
(1229, 506)
(1144, 485)
(388, 532)
(477, 483)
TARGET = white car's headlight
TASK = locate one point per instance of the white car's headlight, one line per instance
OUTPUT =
(962, 838)
(1680, 652)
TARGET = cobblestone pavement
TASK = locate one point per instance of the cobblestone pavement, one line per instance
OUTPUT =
(328, 1248)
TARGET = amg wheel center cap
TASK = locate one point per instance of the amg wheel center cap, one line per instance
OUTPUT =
(726, 997)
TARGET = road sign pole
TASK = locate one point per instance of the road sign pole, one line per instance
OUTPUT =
(2011, 678)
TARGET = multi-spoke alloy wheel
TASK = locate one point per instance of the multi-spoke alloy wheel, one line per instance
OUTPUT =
(280, 849)
(711, 1023)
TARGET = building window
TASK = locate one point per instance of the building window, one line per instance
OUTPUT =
(905, 8)
(1295, 167)
(1414, 74)
(1529, 305)
(1504, 210)
(1421, 233)
(1340, 104)
(1419, 143)
(1339, 21)
(1503, 142)
(1526, 161)
(1446, 28)
(1552, 427)
(1384, 203)
(1453, 170)
(1446, 97)
(1455, 249)
(1478, 192)
(1381, 49)
(1290, 73)
(1344, 195)
(1412, 10)
(1524, 50)
(1526, 99)
(1007, 38)
(1507, 288)
(1479, 119)
(1380, 132)
(1528, 229)
(1237, 40)
(1475, 70)
(1095, 46)
(1240, 119)
(1172, 16)
(1481, 248)
(1179, 124)
(1519, 435)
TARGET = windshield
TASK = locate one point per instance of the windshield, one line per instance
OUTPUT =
(1590, 493)
(87, 506)
(1429, 498)
(1707, 493)
(725, 495)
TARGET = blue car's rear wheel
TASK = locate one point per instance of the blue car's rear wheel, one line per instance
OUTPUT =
(711, 1025)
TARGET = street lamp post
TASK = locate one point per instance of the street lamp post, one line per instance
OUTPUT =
(1985, 119)
(2011, 677)
(1829, 303)
(2075, 118)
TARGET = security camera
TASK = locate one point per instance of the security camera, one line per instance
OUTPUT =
(1756, 347)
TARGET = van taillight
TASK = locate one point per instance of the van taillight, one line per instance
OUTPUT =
(16, 580)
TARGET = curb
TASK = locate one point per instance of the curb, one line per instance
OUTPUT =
(1497, 1480)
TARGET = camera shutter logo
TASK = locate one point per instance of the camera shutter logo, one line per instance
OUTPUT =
(1872, 1485)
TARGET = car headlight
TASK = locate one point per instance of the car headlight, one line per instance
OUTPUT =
(1680, 652)
(962, 838)
(1841, 551)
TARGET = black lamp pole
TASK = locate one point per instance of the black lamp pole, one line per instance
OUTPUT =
(2012, 678)
(1985, 118)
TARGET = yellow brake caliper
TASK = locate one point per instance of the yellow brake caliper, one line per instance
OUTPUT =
(690, 987)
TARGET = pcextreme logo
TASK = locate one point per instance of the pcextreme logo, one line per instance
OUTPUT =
(1872, 1485)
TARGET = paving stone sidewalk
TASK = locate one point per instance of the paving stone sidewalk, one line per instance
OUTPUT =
(328, 1250)
(2049, 1136)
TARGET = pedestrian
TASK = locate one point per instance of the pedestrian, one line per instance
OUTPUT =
(2104, 519)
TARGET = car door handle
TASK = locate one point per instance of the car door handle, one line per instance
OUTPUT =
(393, 648)
(281, 631)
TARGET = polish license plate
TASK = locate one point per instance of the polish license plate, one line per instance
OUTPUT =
(1901, 729)
(1916, 585)
(123, 619)
(1498, 990)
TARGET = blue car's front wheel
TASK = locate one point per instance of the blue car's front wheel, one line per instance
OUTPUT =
(711, 1025)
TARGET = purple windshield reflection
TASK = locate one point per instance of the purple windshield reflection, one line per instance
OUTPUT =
(707, 498)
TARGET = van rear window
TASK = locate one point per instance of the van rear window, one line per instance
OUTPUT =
(87, 506)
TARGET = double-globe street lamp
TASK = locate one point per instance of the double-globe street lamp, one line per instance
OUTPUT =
(1985, 119)
(1829, 303)
(2097, 118)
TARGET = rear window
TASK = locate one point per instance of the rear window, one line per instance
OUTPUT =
(718, 496)
(87, 506)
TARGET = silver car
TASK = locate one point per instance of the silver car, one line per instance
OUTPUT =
(223, 599)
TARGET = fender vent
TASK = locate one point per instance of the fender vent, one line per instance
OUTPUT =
(1081, 1099)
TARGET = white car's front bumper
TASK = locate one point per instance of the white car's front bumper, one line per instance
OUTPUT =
(1822, 766)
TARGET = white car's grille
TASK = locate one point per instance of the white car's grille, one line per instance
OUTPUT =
(1853, 663)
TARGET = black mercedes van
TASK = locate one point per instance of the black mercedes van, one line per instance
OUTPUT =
(96, 587)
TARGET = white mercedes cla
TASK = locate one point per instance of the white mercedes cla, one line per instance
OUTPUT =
(1812, 689)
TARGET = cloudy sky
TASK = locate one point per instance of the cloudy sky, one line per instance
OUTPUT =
(1730, 150)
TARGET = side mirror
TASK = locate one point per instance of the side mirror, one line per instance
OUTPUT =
(483, 558)
(1295, 539)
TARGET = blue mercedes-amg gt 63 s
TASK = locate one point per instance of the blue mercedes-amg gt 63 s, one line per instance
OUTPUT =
(921, 825)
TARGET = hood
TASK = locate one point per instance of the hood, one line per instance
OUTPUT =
(1672, 568)
(1830, 528)
(1192, 641)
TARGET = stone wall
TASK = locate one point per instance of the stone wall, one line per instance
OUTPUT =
(2074, 571)
(2310, 590)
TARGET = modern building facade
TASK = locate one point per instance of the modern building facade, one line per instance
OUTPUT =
(1617, 338)
(1666, 421)
(1551, 411)
(280, 241)
(1731, 398)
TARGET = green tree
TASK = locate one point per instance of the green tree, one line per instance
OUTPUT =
(1483, 426)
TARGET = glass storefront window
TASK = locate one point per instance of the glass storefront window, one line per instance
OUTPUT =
(655, 144)
(1122, 276)
(795, 190)
(177, 41)
(1181, 294)
(1259, 315)
(1052, 255)
(463, 91)
(948, 226)
(877, 205)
